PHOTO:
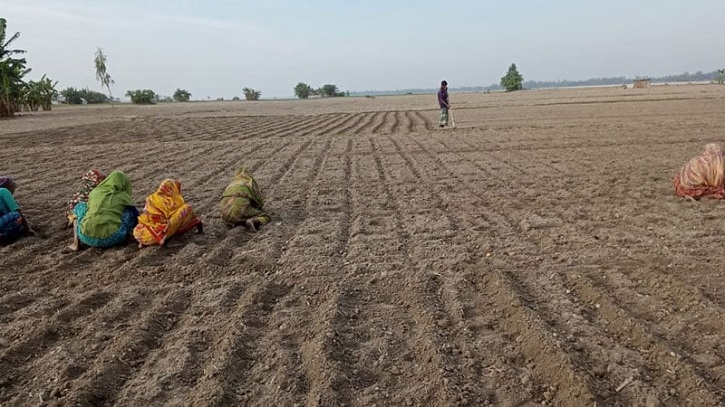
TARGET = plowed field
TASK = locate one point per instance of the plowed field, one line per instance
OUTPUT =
(534, 255)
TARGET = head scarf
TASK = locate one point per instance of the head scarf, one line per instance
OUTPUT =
(89, 181)
(106, 203)
(160, 206)
(243, 185)
(166, 200)
(7, 183)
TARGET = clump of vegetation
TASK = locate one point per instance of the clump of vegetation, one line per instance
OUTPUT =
(304, 91)
(182, 95)
(236, 98)
(73, 96)
(39, 94)
(329, 90)
(720, 78)
(142, 97)
(251, 94)
(513, 79)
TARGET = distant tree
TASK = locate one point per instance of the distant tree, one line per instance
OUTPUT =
(303, 90)
(12, 71)
(513, 79)
(182, 95)
(329, 90)
(720, 78)
(75, 96)
(251, 94)
(236, 99)
(101, 72)
(142, 97)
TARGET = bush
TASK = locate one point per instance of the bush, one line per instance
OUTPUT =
(75, 96)
(251, 94)
(720, 79)
(182, 95)
(142, 97)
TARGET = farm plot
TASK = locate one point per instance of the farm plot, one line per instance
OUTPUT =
(534, 255)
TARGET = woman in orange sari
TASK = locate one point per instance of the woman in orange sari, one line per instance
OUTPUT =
(165, 215)
(703, 176)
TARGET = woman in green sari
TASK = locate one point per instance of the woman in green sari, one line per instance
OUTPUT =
(109, 216)
(242, 202)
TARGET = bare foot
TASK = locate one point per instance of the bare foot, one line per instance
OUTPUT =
(74, 246)
(251, 225)
(200, 228)
(162, 241)
(140, 245)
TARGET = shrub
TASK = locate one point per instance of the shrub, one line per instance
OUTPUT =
(142, 97)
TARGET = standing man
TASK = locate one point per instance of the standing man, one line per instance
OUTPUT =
(443, 103)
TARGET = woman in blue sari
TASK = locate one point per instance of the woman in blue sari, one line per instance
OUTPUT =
(13, 224)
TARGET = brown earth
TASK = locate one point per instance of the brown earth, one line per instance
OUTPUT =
(535, 255)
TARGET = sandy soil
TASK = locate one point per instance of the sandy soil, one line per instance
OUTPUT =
(534, 255)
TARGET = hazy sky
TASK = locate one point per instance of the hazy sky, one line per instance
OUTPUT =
(216, 47)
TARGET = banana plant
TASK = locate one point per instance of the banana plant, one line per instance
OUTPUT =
(12, 71)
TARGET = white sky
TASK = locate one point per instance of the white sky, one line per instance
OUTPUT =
(214, 48)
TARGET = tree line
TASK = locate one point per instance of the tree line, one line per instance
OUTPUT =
(304, 91)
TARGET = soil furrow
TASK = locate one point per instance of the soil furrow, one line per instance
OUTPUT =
(410, 126)
(668, 370)
(383, 121)
(366, 122)
(43, 336)
(396, 122)
(427, 123)
(117, 363)
(357, 119)
(235, 352)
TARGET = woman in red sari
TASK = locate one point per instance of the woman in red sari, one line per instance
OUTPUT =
(703, 176)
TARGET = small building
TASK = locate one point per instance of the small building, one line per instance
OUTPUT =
(642, 83)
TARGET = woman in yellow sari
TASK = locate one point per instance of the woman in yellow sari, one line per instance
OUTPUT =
(165, 215)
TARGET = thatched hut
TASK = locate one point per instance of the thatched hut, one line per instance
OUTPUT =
(642, 83)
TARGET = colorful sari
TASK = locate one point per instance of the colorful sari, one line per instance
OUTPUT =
(109, 216)
(7, 183)
(243, 200)
(703, 176)
(12, 226)
(165, 215)
(90, 180)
